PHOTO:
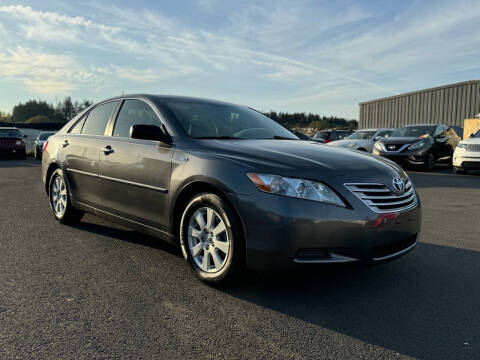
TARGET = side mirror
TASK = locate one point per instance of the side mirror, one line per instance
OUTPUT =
(25, 136)
(472, 135)
(149, 132)
(442, 135)
(376, 138)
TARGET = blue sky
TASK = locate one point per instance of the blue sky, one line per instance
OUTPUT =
(313, 56)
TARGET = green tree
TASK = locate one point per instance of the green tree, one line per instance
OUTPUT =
(39, 119)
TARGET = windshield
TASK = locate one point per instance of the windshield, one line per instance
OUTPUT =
(45, 136)
(477, 134)
(202, 120)
(361, 135)
(322, 135)
(414, 131)
(10, 133)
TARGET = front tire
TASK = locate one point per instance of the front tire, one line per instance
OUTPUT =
(60, 202)
(211, 238)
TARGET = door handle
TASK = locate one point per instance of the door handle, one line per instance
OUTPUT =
(65, 143)
(107, 150)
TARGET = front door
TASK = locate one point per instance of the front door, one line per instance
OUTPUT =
(135, 174)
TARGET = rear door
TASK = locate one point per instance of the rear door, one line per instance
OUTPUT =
(81, 151)
(135, 174)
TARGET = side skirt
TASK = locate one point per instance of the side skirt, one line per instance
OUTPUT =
(134, 225)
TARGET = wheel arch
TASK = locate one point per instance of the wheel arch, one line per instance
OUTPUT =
(51, 168)
(187, 192)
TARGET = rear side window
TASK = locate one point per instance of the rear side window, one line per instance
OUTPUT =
(134, 112)
(97, 119)
(77, 128)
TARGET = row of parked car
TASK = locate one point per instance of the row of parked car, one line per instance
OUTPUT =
(417, 145)
(12, 143)
(423, 145)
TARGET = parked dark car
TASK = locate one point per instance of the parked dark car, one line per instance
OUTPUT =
(12, 143)
(419, 145)
(332, 135)
(230, 186)
(39, 142)
(302, 136)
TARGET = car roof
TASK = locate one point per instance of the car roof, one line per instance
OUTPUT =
(167, 98)
(8, 128)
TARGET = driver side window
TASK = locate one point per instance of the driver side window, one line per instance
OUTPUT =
(134, 112)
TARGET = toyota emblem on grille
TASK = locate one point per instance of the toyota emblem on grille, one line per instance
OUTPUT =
(398, 185)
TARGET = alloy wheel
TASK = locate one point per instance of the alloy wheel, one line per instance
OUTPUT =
(208, 240)
(58, 196)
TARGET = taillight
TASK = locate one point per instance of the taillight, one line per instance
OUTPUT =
(45, 145)
(327, 140)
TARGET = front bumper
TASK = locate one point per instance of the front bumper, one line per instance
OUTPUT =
(466, 159)
(282, 232)
(12, 151)
(416, 157)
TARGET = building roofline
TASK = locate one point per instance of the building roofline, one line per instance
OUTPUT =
(420, 91)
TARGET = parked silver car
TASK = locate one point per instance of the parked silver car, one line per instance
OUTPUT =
(363, 140)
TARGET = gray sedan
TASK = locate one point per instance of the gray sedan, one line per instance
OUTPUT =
(229, 186)
(363, 140)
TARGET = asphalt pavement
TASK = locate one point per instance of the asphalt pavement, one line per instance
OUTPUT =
(98, 290)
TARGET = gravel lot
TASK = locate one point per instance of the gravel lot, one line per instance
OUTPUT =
(98, 290)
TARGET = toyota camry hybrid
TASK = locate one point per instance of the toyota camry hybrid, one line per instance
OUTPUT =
(231, 187)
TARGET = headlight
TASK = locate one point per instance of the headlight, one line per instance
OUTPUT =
(298, 188)
(378, 146)
(18, 142)
(462, 145)
(417, 145)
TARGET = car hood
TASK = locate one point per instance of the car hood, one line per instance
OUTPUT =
(402, 140)
(346, 142)
(471, 141)
(303, 159)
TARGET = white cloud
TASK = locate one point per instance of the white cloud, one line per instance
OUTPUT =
(43, 73)
(336, 53)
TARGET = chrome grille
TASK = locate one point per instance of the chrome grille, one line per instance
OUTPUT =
(381, 199)
(473, 147)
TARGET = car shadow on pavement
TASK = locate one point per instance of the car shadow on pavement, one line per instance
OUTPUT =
(101, 227)
(425, 305)
(9, 163)
(430, 180)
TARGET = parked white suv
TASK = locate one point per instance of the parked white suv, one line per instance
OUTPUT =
(467, 154)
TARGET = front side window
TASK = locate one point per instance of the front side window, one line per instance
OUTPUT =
(414, 131)
(98, 117)
(134, 112)
(216, 120)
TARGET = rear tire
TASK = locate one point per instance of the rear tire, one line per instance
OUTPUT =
(59, 197)
(211, 239)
